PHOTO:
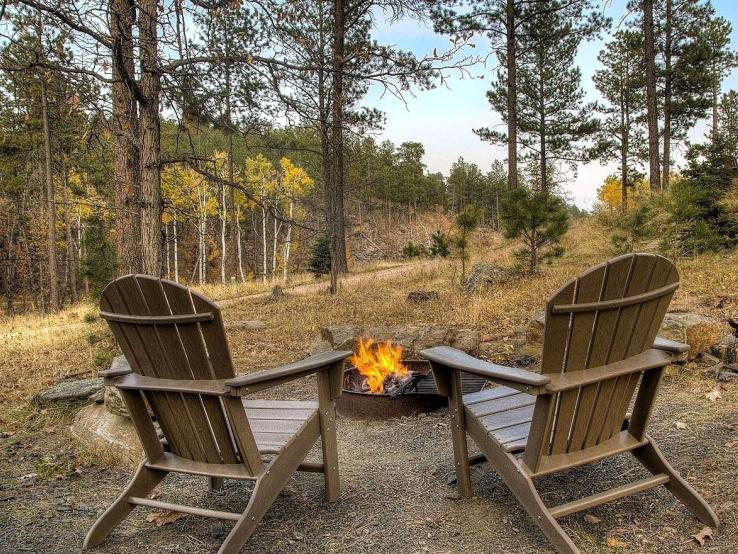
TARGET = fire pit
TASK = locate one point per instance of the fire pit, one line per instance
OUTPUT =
(379, 384)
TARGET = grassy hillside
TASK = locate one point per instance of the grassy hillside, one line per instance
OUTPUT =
(38, 350)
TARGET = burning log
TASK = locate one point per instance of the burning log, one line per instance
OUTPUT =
(380, 364)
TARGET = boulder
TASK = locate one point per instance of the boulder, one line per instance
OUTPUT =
(78, 390)
(421, 296)
(99, 430)
(484, 274)
(413, 338)
(114, 402)
(726, 350)
(698, 331)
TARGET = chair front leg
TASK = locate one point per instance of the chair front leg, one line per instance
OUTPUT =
(327, 407)
(143, 482)
(449, 381)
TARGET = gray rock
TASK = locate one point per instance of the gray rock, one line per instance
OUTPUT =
(69, 391)
(726, 350)
(698, 331)
(413, 338)
(252, 325)
(119, 363)
(420, 296)
(99, 430)
(484, 274)
(319, 347)
(701, 333)
(114, 402)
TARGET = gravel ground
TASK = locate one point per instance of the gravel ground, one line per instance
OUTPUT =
(394, 494)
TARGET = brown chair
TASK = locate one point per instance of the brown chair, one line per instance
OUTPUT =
(181, 370)
(600, 351)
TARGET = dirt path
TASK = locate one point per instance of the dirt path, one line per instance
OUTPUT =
(350, 280)
(394, 496)
(308, 288)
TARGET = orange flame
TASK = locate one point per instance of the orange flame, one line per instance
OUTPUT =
(377, 362)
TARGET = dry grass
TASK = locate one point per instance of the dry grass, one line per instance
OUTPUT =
(40, 349)
(422, 516)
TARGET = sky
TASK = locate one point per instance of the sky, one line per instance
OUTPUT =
(442, 119)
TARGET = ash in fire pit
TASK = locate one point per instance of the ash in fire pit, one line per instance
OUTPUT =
(379, 384)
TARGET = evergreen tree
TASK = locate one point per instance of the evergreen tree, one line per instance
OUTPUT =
(552, 120)
(620, 82)
(320, 256)
(693, 43)
(539, 219)
(728, 122)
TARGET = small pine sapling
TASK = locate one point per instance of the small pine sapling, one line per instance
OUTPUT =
(540, 219)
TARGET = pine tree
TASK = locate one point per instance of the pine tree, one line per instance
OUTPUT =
(693, 44)
(553, 120)
(621, 84)
(539, 219)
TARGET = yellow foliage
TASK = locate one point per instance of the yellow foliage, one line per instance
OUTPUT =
(611, 197)
(185, 189)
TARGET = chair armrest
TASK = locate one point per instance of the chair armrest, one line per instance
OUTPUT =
(649, 359)
(278, 375)
(134, 381)
(678, 350)
(445, 356)
(118, 367)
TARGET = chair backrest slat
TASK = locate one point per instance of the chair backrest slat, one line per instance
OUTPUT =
(165, 331)
(607, 314)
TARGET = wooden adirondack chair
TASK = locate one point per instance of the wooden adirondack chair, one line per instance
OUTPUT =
(600, 351)
(181, 369)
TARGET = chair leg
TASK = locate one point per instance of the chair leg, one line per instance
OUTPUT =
(143, 482)
(651, 457)
(215, 483)
(525, 491)
(330, 458)
(329, 445)
(266, 490)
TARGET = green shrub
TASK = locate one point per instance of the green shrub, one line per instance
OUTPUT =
(633, 229)
(539, 219)
(320, 256)
(414, 250)
(697, 222)
(467, 220)
(439, 245)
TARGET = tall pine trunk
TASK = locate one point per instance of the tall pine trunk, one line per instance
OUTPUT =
(263, 243)
(624, 148)
(71, 267)
(150, 139)
(335, 191)
(512, 97)
(651, 104)
(176, 251)
(239, 251)
(127, 167)
(542, 123)
(50, 200)
(666, 164)
(223, 223)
